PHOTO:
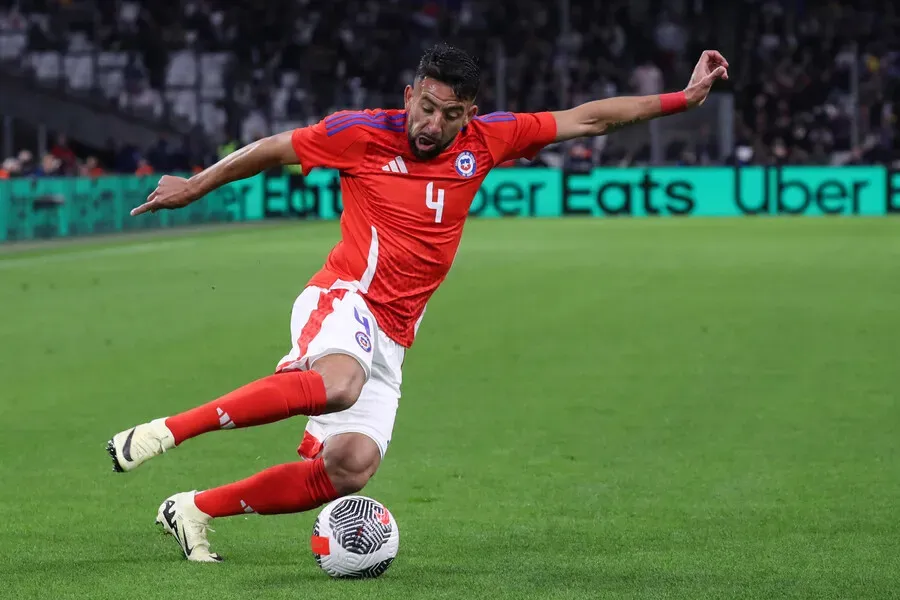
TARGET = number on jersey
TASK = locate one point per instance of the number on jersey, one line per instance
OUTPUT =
(435, 204)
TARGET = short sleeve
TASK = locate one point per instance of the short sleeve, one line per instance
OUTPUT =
(510, 136)
(329, 146)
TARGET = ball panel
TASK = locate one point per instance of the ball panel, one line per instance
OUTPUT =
(360, 525)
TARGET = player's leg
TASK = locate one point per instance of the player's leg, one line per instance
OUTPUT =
(342, 451)
(344, 468)
(346, 465)
(333, 385)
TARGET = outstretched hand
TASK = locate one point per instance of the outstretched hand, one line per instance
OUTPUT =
(171, 192)
(711, 66)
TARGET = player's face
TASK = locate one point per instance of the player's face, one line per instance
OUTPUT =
(434, 117)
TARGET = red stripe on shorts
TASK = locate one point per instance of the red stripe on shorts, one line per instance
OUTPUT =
(310, 447)
(317, 317)
(314, 323)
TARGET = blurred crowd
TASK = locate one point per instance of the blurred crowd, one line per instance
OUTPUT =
(813, 82)
(65, 159)
(819, 85)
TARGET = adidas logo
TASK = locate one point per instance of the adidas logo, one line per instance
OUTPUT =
(395, 166)
(225, 421)
(247, 508)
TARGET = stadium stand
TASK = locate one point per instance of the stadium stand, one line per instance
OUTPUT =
(819, 85)
(815, 83)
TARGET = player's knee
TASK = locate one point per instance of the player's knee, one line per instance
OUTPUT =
(350, 482)
(350, 474)
(344, 379)
(351, 466)
(342, 393)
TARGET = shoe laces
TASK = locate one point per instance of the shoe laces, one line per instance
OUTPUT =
(199, 528)
(150, 445)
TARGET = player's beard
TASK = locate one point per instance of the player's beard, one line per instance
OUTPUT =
(425, 154)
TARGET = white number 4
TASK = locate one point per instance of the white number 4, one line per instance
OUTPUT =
(435, 205)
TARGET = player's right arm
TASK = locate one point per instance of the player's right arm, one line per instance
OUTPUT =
(335, 142)
(177, 192)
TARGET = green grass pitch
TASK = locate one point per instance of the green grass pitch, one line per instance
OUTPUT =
(700, 408)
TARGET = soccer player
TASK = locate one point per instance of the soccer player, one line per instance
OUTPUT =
(408, 178)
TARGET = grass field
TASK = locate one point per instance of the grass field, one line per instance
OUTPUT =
(599, 408)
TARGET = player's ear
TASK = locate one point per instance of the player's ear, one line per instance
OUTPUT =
(471, 113)
(407, 96)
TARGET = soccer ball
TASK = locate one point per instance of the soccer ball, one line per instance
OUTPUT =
(356, 537)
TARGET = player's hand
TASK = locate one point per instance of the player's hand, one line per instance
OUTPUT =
(171, 192)
(709, 68)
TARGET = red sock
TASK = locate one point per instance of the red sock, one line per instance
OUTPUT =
(288, 488)
(266, 400)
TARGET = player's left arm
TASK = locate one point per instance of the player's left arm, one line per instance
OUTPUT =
(606, 116)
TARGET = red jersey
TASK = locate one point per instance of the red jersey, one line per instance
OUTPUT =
(403, 217)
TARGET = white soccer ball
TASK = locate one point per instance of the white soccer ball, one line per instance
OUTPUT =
(355, 536)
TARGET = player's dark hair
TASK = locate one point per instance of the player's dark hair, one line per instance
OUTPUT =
(455, 67)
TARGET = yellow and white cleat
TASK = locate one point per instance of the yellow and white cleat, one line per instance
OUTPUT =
(131, 448)
(179, 516)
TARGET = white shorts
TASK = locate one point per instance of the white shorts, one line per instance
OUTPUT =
(338, 321)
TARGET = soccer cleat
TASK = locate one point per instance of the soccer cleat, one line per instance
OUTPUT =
(131, 448)
(179, 516)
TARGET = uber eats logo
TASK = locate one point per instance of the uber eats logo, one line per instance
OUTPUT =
(624, 192)
(631, 193)
(727, 191)
(807, 190)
